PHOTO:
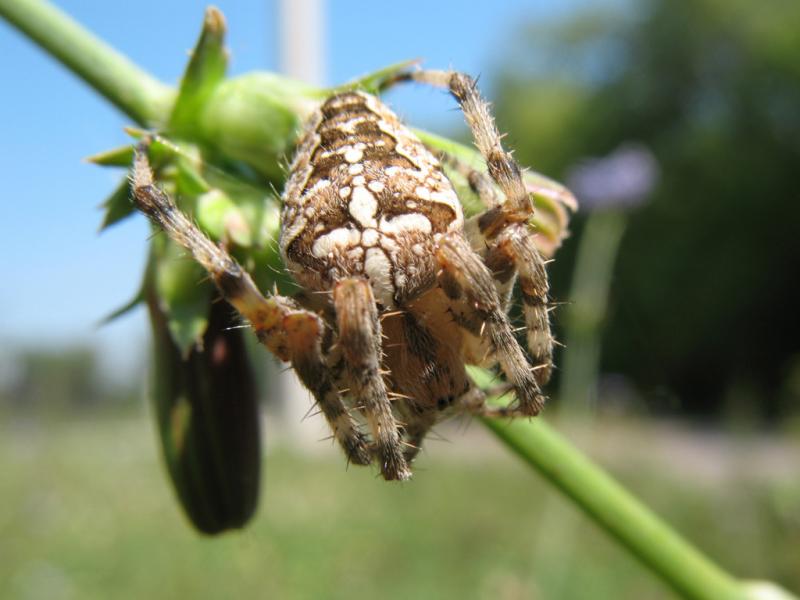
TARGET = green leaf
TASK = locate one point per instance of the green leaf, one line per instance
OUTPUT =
(117, 206)
(124, 309)
(183, 291)
(189, 181)
(160, 148)
(221, 218)
(205, 71)
(121, 156)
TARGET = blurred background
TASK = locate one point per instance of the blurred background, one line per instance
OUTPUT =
(677, 125)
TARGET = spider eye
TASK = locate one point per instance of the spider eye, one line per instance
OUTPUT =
(444, 402)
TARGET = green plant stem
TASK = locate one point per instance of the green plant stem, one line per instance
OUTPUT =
(608, 504)
(126, 86)
(585, 316)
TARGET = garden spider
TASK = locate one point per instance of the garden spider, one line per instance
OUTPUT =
(399, 292)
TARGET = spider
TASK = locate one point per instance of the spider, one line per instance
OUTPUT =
(399, 291)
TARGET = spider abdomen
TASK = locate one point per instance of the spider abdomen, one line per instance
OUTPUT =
(365, 198)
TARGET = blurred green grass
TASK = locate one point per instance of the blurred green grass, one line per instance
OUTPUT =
(85, 512)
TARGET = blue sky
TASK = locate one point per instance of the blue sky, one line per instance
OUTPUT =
(59, 276)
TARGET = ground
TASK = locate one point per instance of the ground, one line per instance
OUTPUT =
(86, 513)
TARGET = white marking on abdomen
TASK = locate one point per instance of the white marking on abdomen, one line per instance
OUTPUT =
(363, 207)
(422, 192)
(370, 237)
(378, 269)
(407, 222)
(338, 238)
(448, 198)
(353, 155)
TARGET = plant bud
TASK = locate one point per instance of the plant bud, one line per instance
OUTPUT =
(208, 421)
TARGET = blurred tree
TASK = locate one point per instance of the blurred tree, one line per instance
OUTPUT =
(54, 380)
(706, 288)
(61, 381)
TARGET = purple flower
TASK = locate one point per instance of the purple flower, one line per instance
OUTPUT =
(621, 179)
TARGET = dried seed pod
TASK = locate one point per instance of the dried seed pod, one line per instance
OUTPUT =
(207, 416)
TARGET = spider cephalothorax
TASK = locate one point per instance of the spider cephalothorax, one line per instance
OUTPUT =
(399, 291)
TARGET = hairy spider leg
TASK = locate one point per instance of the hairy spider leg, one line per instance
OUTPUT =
(512, 252)
(289, 332)
(360, 344)
(515, 248)
(474, 402)
(503, 226)
(467, 280)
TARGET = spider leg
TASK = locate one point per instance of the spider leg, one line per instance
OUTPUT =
(502, 168)
(305, 331)
(289, 332)
(360, 344)
(465, 277)
(416, 429)
(484, 187)
(503, 226)
(474, 402)
(515, 248)
(479, 181)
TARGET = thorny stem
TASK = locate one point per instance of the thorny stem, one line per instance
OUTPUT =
(129, 88)
(682, 566)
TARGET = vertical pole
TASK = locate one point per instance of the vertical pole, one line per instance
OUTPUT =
(302, 40)
(301, 54)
